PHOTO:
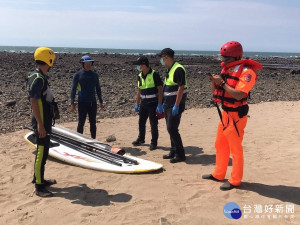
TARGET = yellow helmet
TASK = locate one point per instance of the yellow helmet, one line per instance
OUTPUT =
(45, 55)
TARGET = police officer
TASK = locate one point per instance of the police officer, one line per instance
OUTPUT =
(231, 89)
(175, 94)
(148, 101)
(41, 96)
(86, 82)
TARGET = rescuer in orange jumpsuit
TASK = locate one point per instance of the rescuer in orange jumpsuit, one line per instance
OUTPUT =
(231, 89)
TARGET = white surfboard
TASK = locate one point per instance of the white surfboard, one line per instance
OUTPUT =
(77, 156)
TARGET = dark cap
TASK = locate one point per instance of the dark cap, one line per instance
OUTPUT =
(142, 60)
(167, 51)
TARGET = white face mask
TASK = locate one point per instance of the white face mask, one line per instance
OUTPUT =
(138, 68)
(162, 61)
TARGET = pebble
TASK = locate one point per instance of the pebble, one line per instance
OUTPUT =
(111, 138)
(10, 103)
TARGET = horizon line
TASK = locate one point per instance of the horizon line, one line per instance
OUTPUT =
(30, 46)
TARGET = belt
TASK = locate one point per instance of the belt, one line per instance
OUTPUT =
(173, 93)
(148, 96)
(230, 109)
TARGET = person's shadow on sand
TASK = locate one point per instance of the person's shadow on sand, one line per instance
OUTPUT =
(134, 151)
(280, 192)
(195, 156)
(190, 151)
(86, 196)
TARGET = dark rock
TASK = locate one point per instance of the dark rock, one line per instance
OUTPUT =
(295, 72)
(10, 103)
(111, 138)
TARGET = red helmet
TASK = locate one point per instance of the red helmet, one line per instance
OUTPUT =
(232, 48)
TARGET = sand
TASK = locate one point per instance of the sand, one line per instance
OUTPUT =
(176, 195)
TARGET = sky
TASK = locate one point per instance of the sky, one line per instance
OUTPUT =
(259, 25)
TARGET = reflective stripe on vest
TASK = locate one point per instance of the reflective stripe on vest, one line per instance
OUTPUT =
(30, 77)
(173, 93)
(148, 96)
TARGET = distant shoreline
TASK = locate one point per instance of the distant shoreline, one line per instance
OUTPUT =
(110, 51)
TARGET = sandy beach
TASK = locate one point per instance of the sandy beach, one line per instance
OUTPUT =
(175, 195)
(96, 47)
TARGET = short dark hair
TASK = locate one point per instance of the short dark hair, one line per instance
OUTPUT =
(39, 62)
(168, 52)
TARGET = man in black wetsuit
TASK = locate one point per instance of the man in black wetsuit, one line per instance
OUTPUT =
(86, 82)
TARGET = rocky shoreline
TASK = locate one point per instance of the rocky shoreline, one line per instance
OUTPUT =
(278, 81)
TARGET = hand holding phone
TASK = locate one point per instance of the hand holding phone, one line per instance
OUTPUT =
(209, 75)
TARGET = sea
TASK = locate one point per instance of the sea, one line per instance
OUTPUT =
(31, 49)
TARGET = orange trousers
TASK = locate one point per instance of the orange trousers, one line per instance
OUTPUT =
(229, 141)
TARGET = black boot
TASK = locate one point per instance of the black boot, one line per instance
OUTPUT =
(227, 186)
(170, 155)
(41, 191)
(49, 182)
(209, 177)
(177, 159)
(153, 147)
(138, 142)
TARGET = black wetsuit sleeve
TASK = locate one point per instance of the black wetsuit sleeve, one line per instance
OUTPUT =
(74, 87)
(98, 89)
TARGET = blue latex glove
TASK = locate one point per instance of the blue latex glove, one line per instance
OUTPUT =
(136, 108)
(175, 110)
(159, 109)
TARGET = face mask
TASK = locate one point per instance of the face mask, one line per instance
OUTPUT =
(138, 68)
(162, 61)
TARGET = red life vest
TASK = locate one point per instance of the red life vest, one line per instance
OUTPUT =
(231, 73)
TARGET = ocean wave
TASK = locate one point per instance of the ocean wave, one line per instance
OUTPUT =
(184, 53)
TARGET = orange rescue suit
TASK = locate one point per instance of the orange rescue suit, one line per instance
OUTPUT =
(240, 75)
